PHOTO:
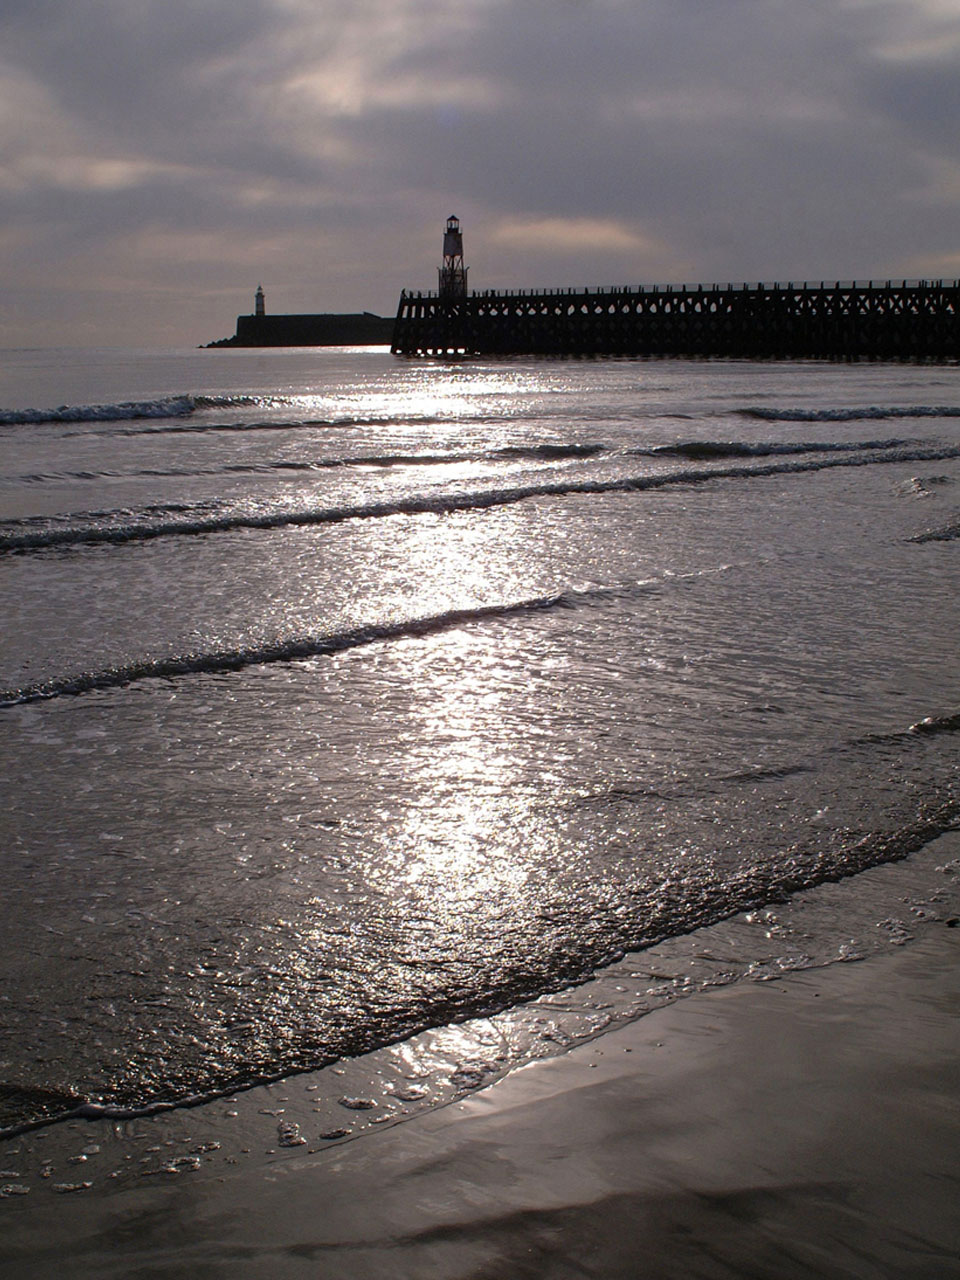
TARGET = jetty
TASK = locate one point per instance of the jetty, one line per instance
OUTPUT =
(325, 329)
(912, 320)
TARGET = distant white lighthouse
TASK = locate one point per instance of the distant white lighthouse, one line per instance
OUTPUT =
(453, 274)
(259, 304)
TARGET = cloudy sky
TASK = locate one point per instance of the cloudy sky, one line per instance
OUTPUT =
(158, 158)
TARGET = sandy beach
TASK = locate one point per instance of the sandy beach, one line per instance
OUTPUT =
(807, 1126)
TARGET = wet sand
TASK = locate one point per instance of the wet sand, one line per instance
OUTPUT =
(808, 1126)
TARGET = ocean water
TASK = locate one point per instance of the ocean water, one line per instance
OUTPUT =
(347, 697)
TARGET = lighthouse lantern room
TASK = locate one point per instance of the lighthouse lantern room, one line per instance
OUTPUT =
(453, 274)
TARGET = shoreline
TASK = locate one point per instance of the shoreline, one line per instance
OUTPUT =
(806, 1125)
(838, 920)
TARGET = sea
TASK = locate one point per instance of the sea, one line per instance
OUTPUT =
(348, 699)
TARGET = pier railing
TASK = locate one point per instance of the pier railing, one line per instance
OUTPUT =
(734, 287)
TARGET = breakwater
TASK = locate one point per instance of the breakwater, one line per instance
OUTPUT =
(839, 320)
(322, 330)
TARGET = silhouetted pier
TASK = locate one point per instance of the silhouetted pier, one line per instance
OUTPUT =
(838, 320)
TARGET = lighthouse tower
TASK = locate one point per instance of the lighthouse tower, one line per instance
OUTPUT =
(453, 274)
(259, 305)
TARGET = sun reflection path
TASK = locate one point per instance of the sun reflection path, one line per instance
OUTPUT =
(461, 872)
(464, 834)
(463, 846)
(426, 392)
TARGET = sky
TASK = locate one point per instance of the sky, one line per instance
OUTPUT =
(160, 158)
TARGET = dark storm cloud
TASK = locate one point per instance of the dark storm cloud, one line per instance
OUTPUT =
(321, 142)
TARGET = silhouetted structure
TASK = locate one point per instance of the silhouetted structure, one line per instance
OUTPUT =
(843, 320)
(453, 274)
(323, 330)
(891, 320)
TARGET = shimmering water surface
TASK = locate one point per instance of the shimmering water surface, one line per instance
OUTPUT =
(345, 697)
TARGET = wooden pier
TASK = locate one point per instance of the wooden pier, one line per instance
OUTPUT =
(841, 320)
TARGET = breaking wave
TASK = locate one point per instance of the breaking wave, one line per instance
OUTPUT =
(705, 449)
(849, 415)
(33, 539)
(947, 533)
(534, 453)
(302, 647)
(181, 406)
(172, 413)
(937, 724)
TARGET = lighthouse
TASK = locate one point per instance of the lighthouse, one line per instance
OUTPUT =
(259, 305)
(453, 274)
